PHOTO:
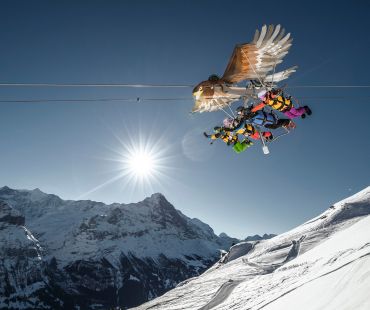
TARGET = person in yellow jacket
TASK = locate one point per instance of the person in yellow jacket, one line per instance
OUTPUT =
(224, 134)
(228, 136)
(251, 132)
(276, 100)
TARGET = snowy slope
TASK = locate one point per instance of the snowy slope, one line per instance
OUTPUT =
(98, 256)
(322, 264)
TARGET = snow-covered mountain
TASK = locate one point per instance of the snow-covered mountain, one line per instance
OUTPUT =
(322, 264)
(58, 254)
(258, 237)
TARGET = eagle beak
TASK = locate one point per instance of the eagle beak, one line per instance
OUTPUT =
(198, 94)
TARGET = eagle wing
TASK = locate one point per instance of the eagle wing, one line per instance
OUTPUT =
(252, 61)
(211, 105)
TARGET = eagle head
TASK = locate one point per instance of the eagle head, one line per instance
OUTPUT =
(205, 89)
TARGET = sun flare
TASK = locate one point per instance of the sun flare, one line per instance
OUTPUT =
(141, 164)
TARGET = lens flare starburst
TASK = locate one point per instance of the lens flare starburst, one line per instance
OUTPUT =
(140, 163)
(143, 164)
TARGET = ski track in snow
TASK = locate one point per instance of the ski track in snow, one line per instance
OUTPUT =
(221, 295)
(293, 253)
(320, 276)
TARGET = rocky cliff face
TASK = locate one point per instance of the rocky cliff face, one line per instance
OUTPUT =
(20, 261)
(84, 254)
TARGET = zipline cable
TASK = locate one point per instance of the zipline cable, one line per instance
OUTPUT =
(152, 85)
(139, 99)
(93, 85)
(329, 86)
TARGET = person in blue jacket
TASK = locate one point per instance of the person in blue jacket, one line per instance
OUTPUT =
(262, 118)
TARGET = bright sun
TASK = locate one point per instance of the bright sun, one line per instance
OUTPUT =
(141, 164)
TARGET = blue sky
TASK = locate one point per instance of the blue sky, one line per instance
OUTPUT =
(65, 147)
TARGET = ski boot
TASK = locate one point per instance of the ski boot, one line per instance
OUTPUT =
(308, 110)
(290, 125)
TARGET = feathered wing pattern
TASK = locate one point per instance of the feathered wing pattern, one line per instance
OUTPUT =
(252, 61)
(211, 105)
(280, 76)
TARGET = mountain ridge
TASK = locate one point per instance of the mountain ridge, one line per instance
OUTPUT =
(91, 255)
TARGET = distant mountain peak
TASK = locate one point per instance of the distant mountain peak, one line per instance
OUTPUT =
(258, 237)
(158, 203)
(223, 235)
(5, 189)
(157, 198)
(37, 194)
